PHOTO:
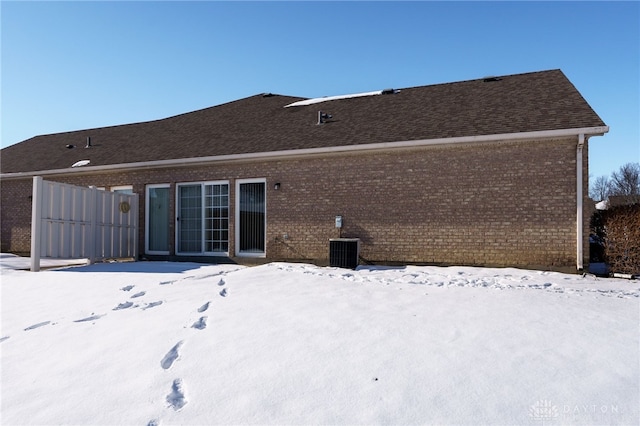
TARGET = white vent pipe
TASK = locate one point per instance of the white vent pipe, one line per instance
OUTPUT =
(579, 204)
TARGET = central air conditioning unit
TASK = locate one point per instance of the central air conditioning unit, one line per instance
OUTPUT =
(344, 252)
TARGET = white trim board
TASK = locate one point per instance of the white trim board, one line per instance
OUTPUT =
(542, 134)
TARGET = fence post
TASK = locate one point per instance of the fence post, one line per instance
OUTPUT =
(135, 226)
(93, 224)
(36, 223)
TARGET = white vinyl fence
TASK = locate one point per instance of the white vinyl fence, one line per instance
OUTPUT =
(73, 222)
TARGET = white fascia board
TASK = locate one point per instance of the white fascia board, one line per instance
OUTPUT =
(587, 131)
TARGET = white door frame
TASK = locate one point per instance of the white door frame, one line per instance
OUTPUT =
(238, 252)
(146, 218)
(202, 216)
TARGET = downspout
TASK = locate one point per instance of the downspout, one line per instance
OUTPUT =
(579, 206)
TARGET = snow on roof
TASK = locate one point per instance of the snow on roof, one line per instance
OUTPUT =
(332, 98)
(81, 163)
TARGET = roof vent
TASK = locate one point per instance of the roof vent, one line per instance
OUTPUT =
(88, 145)
(491, 78)
(389, 91)
(267, 95)
(69, 146)
(323, 117)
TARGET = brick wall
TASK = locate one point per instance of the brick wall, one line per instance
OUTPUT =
(509, 203)
(15, 215)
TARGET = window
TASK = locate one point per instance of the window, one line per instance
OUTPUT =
(123, 189)
(251, 219)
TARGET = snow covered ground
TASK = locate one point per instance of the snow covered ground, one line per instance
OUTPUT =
(11, 261)
(155, 343)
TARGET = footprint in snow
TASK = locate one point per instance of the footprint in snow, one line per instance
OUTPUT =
(221, 282)
(204, 277)
(91, 318)
(152, 304)
(171, 356)
(201, 324)
(38, 325)
(203, 307)
(139, 294)
(124, 305)
(2, 339)
(127, 288)
(167, 282)
(176, 398)
(153, 422)
(538, 286)
(223, 293)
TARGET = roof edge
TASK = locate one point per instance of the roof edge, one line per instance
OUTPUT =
(587, 131)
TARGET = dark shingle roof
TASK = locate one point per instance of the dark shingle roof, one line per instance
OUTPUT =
(536, 101)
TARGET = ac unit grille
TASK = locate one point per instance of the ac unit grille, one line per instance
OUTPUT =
(344, 252)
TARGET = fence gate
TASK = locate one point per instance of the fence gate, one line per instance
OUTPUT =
(74, 222)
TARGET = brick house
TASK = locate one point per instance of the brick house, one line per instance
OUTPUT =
(490, 171)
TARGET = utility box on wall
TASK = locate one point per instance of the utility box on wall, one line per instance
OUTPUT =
(344, 252)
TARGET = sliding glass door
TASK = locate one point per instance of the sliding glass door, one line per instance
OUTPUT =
(189, 219)
(216, 218)
(251, 217)
(203, 218)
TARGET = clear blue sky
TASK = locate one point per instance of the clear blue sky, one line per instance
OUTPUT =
(78, 65)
